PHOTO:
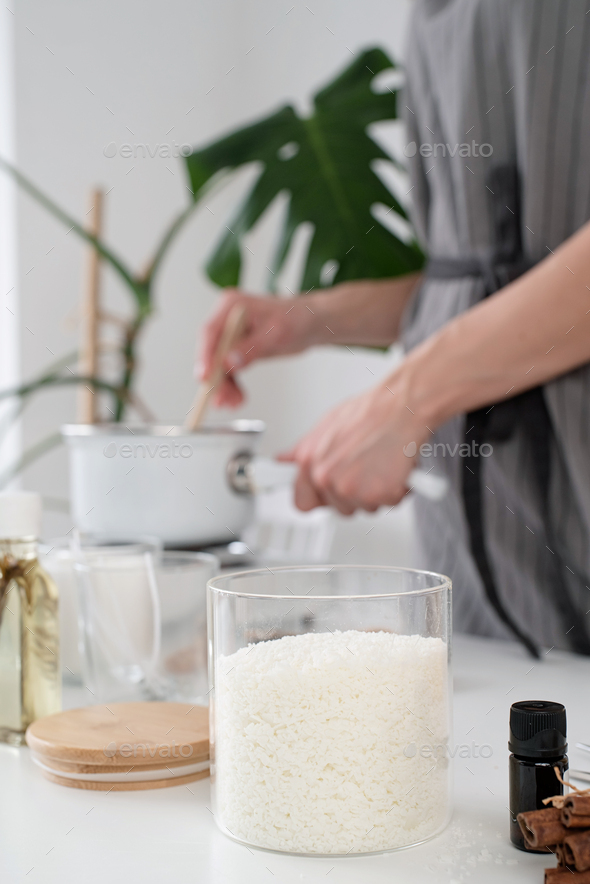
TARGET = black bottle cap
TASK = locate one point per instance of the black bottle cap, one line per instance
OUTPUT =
(538, 729)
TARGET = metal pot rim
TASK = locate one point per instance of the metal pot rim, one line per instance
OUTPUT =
(236, 427)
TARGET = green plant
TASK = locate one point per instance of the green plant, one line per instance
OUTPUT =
(323, 161)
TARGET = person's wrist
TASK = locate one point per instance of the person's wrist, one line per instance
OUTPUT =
(416, 392)
(435, 385)
(321, 317)
(413, 428)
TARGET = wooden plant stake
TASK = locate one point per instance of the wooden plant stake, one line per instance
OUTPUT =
(88, 363)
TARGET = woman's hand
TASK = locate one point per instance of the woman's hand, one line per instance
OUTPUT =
(273, 327)
(354, 458)
(366, 313)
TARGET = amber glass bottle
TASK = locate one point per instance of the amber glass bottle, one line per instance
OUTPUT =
(538, 745)
(30, 681)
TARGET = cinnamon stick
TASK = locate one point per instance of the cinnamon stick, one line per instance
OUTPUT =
(563, 876)
(580, 804)
(576, 850)
(541, 828)
(575, 813)
(559, 851)
(575, 822)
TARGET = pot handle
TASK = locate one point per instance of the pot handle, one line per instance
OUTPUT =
(248, 474)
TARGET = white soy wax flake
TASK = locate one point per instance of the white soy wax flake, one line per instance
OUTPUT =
(312, 737)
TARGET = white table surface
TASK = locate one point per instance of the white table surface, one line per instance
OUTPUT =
(51, 834)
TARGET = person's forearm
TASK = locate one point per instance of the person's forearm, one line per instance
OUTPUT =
(533, 330)
(366, 313)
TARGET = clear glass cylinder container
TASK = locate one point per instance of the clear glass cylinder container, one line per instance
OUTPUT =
(119, 620)
(330, 707)
(182, 579)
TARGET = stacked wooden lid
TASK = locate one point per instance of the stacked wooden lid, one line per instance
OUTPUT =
(123, 746)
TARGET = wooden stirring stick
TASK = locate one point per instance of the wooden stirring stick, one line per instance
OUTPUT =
(232, 331)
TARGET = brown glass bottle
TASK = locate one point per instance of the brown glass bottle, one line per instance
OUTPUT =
(538, 744)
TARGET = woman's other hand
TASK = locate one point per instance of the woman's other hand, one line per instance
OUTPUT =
(361, 454)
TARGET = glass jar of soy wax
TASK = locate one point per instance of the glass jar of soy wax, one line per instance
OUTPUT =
(330, 707)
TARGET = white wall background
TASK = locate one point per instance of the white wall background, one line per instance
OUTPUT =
(88, 74)
(9, 312)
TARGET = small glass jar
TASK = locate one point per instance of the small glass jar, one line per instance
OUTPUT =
(330, 707)
(30, 684)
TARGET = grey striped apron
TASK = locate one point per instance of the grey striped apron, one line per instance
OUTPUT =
(534, 591)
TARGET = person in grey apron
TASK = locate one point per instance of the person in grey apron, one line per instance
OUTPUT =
(514, 75)
(497, 107)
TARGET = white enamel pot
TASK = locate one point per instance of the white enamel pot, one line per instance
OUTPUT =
(187, 489)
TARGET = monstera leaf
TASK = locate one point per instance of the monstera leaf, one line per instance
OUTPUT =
(324, 162)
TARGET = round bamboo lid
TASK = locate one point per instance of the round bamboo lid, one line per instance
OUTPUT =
(125, 780)
(122, 746)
